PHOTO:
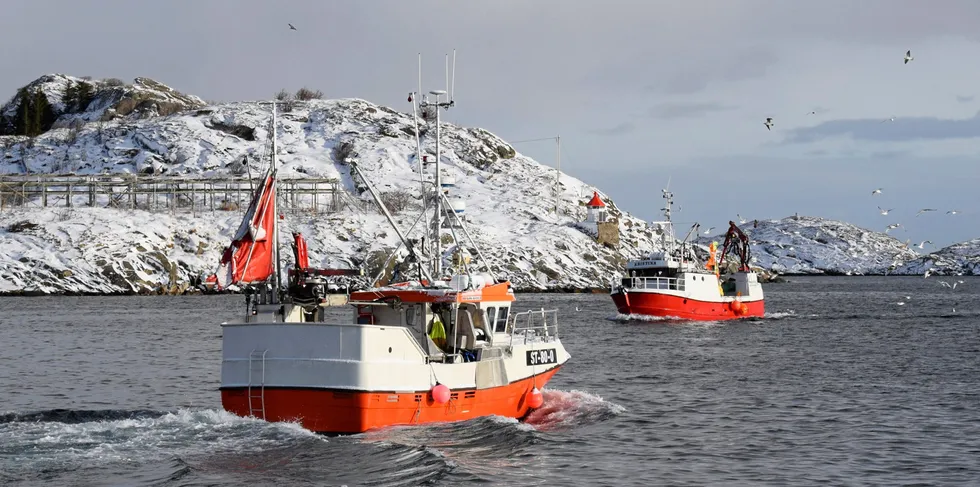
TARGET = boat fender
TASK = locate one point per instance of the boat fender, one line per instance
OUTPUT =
(440, 393)
(534, 398)
(744, 308)
(736, 307)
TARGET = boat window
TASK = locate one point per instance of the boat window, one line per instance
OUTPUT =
(413, 316)
(501, 325)
(491, 315)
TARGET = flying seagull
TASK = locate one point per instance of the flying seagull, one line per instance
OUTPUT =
(945, 284)
(923, 243)
(892, 119)
(708, 231)
(291, 27)
(740, 219)
(892, 227)
(908, 56)
(927, 273)
(924, 210)
(768, 123)
(883, 211)
(877, 191)
(952, 212)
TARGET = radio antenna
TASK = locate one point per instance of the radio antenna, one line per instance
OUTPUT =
(420, 77)
(452, 85)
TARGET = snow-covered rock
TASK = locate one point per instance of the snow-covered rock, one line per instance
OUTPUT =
(811, 245)
(86, 100)
(957, 259)
(509, 199)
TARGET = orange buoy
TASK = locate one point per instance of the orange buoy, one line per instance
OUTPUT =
(440, 393)
(744, 308)
(737, 307)
(535, 399)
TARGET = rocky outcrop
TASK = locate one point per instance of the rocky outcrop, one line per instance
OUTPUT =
(962, 259)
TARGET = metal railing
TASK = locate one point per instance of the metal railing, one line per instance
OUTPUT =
(162, 193)
(668, 283)
(534, 325)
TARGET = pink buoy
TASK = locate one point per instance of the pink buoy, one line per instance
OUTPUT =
(535, 399)
(440, 393)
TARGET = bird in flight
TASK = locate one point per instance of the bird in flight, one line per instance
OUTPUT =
(924, 210)
(892, 227)
(890, 119)
(740, 219)
(708, 231)
(291, 27)
(883, 211)
(908, 56)
(952, 212)
(877, 191)
(768, 123)
(923, 243)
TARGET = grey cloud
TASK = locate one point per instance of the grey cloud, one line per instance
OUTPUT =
(902, 129)
(964, 98)
(696, 78)
(619, 129)
(687, 109)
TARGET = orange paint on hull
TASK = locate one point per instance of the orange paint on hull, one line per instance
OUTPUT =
(341, 411)
(669, 306)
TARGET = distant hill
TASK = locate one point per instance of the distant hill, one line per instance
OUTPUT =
(78, 126)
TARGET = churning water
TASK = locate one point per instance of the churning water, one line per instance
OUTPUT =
(839, 384)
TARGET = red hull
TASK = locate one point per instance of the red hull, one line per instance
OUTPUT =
(668, 306)
(339, 411)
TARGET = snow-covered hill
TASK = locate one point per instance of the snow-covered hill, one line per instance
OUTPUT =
(958, 259)
(811, 245)
(508, 197)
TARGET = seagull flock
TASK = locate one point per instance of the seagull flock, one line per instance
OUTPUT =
(878, 191)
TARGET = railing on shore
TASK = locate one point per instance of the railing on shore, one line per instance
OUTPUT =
(668, 283)
(160, 193)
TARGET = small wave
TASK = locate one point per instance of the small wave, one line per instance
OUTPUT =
(64, 440)
(563, 409)
(778, 315)
(71, 416)
(662, 319)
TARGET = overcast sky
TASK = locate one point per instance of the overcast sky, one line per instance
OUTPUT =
(639, 91)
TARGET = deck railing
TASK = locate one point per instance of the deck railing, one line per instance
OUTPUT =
(668, 283)
(534, 325)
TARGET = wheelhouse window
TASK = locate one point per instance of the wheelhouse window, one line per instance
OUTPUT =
(501, 323)
(491, 316)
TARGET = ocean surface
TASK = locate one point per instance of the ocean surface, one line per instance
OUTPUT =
(838, 384)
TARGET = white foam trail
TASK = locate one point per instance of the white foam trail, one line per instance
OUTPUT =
(571, 408)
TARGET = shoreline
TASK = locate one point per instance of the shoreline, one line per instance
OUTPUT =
(561, 290)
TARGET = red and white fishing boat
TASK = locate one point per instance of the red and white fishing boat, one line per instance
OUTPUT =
(673, 283)
(444, 345)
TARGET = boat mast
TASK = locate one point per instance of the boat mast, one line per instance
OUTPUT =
(439, 209)
(275, 216)
(669, 243)
(558, 177)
